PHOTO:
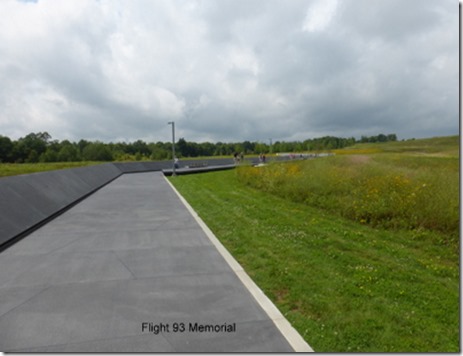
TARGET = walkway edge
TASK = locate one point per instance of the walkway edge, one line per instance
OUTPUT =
(287, 330)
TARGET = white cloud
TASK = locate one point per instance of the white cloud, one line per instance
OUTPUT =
(319, 15)
(228, 70)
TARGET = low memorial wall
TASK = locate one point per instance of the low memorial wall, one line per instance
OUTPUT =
(30, 200)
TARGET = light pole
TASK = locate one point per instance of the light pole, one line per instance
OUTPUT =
(173, 145)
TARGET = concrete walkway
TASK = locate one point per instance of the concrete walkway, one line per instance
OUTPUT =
(130, 269)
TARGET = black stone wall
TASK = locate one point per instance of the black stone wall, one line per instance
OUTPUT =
(27, 201)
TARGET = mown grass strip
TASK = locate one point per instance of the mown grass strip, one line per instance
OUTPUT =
(13, 169)
(343, 285)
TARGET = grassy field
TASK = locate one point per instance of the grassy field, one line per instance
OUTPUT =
(359, 251)
(390, 189)
(13, 169)
(345, 283)
(440, 146)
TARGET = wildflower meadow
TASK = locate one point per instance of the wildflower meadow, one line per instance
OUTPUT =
(387, 190)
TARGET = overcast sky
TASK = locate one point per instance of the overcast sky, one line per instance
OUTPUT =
(228, 70)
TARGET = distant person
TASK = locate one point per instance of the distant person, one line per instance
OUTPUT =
(176, 163)
(263, 158)
(235, 157)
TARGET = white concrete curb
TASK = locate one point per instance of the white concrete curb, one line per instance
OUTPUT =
(292, 336)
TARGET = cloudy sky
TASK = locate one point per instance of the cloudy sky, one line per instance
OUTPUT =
(228, 70)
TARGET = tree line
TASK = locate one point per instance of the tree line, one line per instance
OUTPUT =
(39, 147)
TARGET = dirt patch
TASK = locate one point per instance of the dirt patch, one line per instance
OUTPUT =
(359, 159)
(281, 295)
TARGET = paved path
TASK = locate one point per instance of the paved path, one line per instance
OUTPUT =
(127, 262)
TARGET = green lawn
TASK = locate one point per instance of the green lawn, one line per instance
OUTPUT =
(343, 285)
(13, 169)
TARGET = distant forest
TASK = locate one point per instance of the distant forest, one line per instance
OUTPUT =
(39, 147)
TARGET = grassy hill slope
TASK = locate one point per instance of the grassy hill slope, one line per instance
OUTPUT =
(347, 283)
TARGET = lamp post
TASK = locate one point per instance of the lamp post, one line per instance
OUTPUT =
(173, 145)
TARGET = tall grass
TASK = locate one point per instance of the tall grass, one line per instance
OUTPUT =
(387, 190)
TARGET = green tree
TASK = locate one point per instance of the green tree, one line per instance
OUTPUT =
(6, 147)
(182, 149)
(82, 144)
(68, 153)
(32, 157)
(97, 151)
(24, 147)
(248, 147)
(50, 155)
(382, 138)
(141, 147)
